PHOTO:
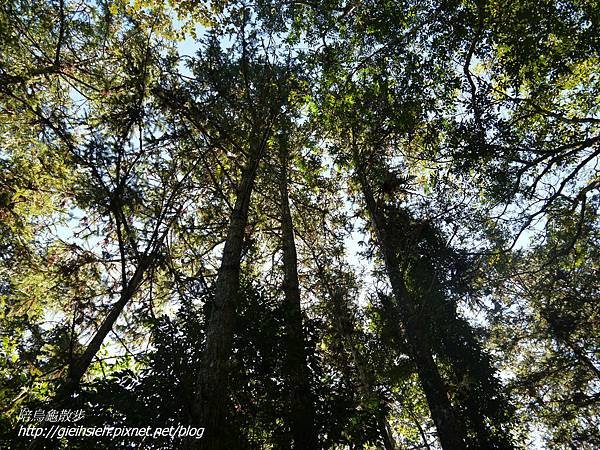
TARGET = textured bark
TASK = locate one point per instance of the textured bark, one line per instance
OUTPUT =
(212, 387)
(451, 431)
(301, 402)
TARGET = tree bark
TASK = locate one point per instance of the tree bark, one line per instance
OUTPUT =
(302, 422)
(451, 431)
(212, 399)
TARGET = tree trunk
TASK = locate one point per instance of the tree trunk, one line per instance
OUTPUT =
(212, 386)
(450, 429)
(301, 403)
(80, 365)
(344, 326)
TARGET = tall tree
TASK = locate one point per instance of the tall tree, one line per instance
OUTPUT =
(302, 409)
(346, 224)
(249, 96)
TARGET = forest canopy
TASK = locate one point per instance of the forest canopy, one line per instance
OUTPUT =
(300, 225)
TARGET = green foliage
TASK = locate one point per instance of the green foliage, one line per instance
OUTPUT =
(447, 147)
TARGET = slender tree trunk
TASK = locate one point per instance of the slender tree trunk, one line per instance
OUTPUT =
(80, 365)
(419, 427)
(301, 402)
(212, 386)
(344, 326)
(450, 429)
(386, 433)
